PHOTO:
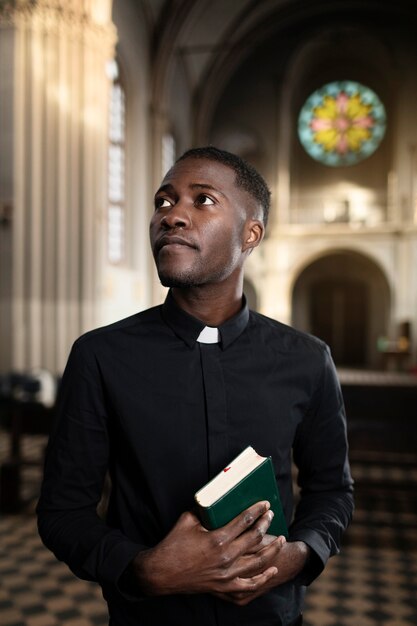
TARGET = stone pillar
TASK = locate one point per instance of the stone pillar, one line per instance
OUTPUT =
(280, 213)
(54, 53)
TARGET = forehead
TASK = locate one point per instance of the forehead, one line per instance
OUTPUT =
(205, 172)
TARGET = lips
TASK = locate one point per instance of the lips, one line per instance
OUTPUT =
(171, 240)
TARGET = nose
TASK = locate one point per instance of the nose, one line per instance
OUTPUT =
(177, 217)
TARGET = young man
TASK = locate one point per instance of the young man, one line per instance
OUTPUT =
(166, 398)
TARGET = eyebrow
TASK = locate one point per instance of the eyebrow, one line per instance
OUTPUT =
(168, 187)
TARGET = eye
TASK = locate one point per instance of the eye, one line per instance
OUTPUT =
(205, 200)
(162, 203)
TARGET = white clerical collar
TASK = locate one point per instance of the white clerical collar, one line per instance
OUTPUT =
(209, 335)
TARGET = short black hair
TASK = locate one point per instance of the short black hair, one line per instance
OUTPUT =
(247, 176)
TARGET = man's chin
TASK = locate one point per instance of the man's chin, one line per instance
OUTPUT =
(181, 282)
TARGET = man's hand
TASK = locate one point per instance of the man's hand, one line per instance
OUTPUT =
(289, 562)
(234, 559)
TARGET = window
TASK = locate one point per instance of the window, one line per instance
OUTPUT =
(168, 152)
(342, 123)
(116, 213)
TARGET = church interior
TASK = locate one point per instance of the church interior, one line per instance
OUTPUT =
(97, 100)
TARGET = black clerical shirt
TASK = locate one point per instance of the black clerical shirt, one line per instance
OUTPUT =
(162, 413)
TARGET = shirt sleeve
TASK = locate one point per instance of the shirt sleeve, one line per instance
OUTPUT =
(325, 507)
(75, 468)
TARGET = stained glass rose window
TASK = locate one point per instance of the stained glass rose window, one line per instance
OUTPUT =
(342, 123)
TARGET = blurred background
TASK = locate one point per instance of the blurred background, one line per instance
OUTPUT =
(97, 99)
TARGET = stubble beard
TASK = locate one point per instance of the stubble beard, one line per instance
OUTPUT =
(182, 282)
(195, 277)
(197, 274)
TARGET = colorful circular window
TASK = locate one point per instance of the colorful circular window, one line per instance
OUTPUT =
(342, 123)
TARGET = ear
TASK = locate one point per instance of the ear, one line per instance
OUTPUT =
(253, 234)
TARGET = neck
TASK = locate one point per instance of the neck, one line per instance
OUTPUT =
(212, 304)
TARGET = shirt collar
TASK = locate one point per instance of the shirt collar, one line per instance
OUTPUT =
(209, 334)
(188, 327)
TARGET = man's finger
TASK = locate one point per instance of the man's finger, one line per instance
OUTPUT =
(252, 540)
(245, 586)
(243, 521)
(231, 548)
(244, 590)
(266, 541)
(251, 565)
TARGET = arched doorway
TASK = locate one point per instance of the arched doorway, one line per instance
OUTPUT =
(344, 299)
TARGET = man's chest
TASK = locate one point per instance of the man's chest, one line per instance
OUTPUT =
(205, 403)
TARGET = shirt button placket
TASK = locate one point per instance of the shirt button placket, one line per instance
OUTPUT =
(216, 408)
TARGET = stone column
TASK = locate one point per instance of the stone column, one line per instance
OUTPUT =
(280, 213)
(54, 53)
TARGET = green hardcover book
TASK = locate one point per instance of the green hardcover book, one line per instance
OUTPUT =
(248, 479)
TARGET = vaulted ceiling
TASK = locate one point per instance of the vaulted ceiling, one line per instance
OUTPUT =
(209, 39)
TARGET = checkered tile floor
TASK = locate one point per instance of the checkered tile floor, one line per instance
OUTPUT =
(365, 587)
(37, 590)
(373, 582)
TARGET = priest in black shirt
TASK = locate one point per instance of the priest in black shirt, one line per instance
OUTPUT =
(164, 399)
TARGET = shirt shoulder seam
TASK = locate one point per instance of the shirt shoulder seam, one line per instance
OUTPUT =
(123, 324)
(318, 345)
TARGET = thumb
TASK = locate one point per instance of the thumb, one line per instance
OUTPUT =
(188, 520)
